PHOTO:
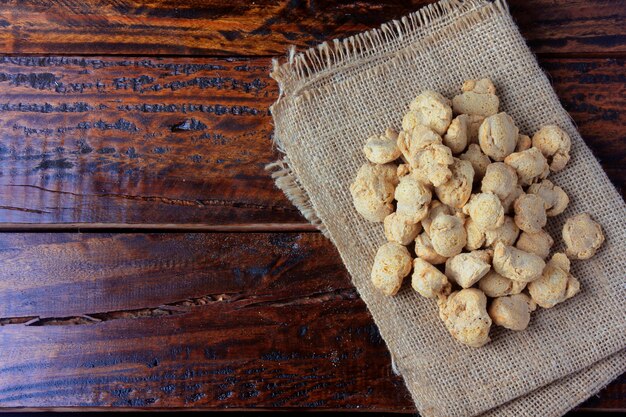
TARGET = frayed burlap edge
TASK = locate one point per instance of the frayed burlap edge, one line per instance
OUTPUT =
(298, 74)
(287, 181)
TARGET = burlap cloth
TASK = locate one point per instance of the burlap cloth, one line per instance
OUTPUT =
(334, 96)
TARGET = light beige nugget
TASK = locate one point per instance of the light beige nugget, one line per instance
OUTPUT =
(506, 234)
(478, 159)
(530, 165)
(435, 163)
(478, 97)
(457, 190)
(497, 136)
(512, 312)
(523, 142)
(466, 269)
(555, 144)
(555, 198)
(473, 126)
(495, 285)
(507, 203)
(447, 235)
(412, 142)
(399, 231)
(486, 210)
(516, 264)
(381, 149)
(556, 284)
(429, 109)
(413, 198)
(436, 208)
(422, 149)
(457, 135)
(475, 235)
(530, 213)
(420, 175)
(538, 243)
(582, 236)
(481, 86)
(373, 190)
(484, 255)
(500, 179)
(424, 250)
(464, 313)
(403, 169)
(391, 264)
(428, 281)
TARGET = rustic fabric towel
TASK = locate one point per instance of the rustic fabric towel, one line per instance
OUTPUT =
(334, 96)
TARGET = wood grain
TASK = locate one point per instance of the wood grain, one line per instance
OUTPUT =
(266, 27)
(101, 131)
(223, 354)
(137, 141)
(236, 320)
(184, 141)
(191, 320)
(59, 275)
(597, 111)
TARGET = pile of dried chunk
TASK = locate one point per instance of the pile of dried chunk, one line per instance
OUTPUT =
(464, 189)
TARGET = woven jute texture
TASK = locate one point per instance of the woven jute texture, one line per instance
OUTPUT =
(336, 95)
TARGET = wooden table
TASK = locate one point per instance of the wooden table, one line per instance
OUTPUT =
(146, 258)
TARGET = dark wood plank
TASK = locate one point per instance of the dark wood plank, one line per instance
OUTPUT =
(266, 27)
(121, 140)
(43, 273)
(310, 353)
(191, 320)
(185, 141)
(573, 27)
(178, 320)
(594, 93)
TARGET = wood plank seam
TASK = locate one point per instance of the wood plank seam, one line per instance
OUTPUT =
(158, 227)
(182, 307)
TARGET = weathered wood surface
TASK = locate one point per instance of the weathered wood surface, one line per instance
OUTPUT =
(185, 140)
(594, 93)
(223, 354)
(135, 139)
(265, 27)
(59, 275)
(180, 320)
(176, 320)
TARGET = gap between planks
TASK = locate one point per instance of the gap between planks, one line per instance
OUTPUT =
(579, 411)
(158, 228)
(539, 55)
(181, 307)
(232, 411)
